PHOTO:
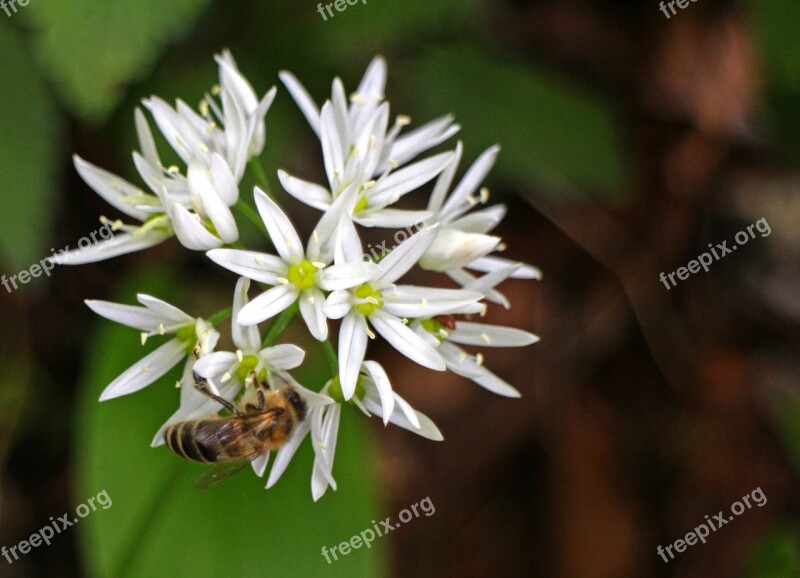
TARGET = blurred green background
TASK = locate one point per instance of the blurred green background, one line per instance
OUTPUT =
(72, 73)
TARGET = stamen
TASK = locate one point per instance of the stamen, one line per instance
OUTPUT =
(370, 334)
(177, 385)
(403, 120)
(472, 200)
(282, 280)
(239, 355)
(479, 358)
(462, 356)
(318, 264)
(486, 339)
(204, 110)
(484, 195)
(502, 247)
(260, 260)
(144, 337)
(424, 303)
(173, 170)
(216, 89)
(161, 329)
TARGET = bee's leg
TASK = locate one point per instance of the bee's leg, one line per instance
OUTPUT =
(262, 402)
(201, 385)
(258, 383)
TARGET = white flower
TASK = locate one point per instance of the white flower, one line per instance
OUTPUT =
(228, 373)
(387, 307)
(233, 128)
(374, 396)
(475, 334)
(193, 335)
(360, 149)
(295, 273)
(463, 241)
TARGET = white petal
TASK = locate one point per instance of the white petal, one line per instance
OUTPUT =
(405, 255)
(412, 301)
(260, 464)
(392, 218)
(384, 387)
(191, 232)
(491, 280)
(352, 348)
(201, 183)
(120, 244)
(170, 315)
(302, 98)
(283, 356)
(481, 334)
(214, 365)
(489, 264)
(337, 305)
(147, 143)
(112, 188)
(259, 267)
(223, 180)
(246, 338)
(281, 230)
(408, 179)
(426, 427)
(464, 279)
(348, 244)
(454, 249)
(285, 454)
(332, 152)
(147, 370)
(496, 385)
(444, 181)
(406, 341)
(459, 362)
(268, 304)
(457, 203)
(139, 318)
(482, 221)
(312, 302)
(423, 138)
(306, 192)
(346, 275)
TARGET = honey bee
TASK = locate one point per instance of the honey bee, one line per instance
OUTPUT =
(233, 442)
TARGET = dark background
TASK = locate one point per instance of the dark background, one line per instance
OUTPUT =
(630, 142)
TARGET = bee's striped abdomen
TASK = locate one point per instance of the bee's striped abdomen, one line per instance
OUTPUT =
(182, 439)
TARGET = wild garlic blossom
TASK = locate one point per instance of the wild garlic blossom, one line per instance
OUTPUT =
(369, 165)
(193, 204)
(359, 148)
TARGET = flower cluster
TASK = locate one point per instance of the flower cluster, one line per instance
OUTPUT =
(370, 164)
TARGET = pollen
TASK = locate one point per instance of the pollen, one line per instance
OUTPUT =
(302, 275)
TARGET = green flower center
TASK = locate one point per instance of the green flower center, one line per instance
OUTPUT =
(303, 275)
(335, 390)
(188, 336)
(246, 366)
(361, 205)
(374, 299)
(433, 327)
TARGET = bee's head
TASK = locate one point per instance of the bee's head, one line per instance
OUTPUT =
(296, 401)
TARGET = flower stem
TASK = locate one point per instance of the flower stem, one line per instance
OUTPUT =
(260, 175)
(333, 359)
(220, 316)
(250, 214)
(280, 324)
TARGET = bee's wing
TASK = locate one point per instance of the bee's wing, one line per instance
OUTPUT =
(220, 472)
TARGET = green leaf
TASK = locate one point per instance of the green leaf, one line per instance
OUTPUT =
(94, 48)
(550, 132)
(29, 139)
(160, 525)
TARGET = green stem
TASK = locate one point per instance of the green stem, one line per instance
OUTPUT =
(333, 359)
(280, 324)
(251, 215)
(220, 316)
(260, 175)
